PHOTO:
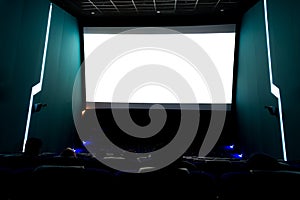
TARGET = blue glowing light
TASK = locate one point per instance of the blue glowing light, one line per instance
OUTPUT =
(78, 150)
(237, 155)
(85, 143)
(229, 147)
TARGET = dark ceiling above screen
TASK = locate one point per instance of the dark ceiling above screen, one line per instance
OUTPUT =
(155, 12)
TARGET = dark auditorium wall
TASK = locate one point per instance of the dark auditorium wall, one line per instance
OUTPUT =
(22, 39)
(259, 131)
(54, 124)
(285, 32)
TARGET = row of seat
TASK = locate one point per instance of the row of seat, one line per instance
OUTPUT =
(55, 182)
(84, 177)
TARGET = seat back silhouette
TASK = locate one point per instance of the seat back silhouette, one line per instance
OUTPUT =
(55, 181)
(166, 183)
(260, 184)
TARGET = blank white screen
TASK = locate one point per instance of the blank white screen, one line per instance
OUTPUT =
(217, 44)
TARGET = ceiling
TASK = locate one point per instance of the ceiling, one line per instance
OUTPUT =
(143, 11)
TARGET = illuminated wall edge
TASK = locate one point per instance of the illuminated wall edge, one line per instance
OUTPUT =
(38, 87)
(274, 89)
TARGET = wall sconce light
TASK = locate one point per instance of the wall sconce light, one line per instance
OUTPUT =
(37, 107)
(273, 110)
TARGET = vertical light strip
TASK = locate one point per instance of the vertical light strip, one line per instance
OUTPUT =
(196, 4)
(38, 87)
(135, 6)
(274, 89)
(217, 4)
(154, 4)
(95, 6)
(114, 5)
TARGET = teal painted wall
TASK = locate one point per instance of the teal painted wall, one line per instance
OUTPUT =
(22, 43)
(285, 48)
(258, 130)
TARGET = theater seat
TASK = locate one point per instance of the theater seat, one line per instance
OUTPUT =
(6, 183)
(260, 184)
(166, 184)
(56, 182)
